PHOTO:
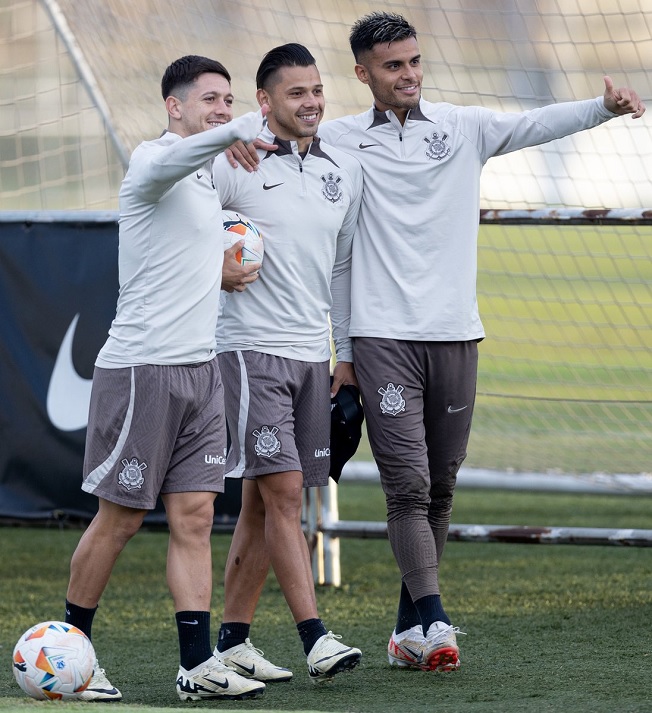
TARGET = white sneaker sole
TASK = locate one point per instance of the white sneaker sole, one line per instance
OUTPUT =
(347, 663)
(255, 693)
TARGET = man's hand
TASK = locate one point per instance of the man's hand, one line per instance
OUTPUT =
(236, 277)
(343, 373)
(622, 101)
(245, 155)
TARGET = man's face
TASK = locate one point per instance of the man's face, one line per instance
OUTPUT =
(296, 103)
(394, 75)
(207, 103)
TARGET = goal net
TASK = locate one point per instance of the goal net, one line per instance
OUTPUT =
(565, 376)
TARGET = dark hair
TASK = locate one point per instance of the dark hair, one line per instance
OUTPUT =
(185, 70)
(378, 28)
(290, 55)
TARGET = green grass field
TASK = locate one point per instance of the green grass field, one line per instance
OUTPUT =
(549, 628)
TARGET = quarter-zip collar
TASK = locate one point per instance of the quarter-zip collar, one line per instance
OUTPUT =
(389, 117)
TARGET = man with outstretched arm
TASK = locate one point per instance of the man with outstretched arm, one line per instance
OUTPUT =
(414, 317)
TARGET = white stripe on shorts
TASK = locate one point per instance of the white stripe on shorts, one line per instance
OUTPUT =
(96, 476)
(243, 414)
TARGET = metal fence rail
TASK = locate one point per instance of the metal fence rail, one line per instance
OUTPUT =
(324, 528)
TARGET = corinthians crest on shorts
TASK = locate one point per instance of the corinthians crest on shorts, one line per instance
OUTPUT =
(392, 402)
(437, 146)
(131, 476)
(267, 444)
(331, 189)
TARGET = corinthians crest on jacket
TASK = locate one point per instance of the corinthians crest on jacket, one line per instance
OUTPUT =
(331, 189)
(437, 146)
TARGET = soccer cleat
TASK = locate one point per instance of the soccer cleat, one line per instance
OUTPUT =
(248, 661)
(440, 651)
(405, 650)
(213, 679)
(99, 687)
(328, 657)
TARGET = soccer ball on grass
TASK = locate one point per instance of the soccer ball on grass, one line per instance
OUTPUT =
(53, 660)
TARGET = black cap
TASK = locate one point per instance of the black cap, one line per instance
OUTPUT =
(346, 427)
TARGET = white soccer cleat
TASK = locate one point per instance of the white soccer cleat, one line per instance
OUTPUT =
(328, 657)
(405, 650)
(99, 687)
(248, 661)
(213, 679)
(440, 651)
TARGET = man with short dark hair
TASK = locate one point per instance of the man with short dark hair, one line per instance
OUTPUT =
(156, 424)
(414, 315)
(274, 352)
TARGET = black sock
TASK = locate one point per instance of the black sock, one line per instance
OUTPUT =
(231, 634)
(430, 609)
(81, 617)
(407, 615)
(310, 630)
(194, 629)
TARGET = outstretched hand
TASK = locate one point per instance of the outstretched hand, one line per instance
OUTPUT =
(622, 101)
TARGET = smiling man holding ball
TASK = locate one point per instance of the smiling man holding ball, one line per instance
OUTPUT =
(274, 353)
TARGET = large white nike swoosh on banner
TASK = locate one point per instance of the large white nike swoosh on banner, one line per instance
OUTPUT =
(69, 394)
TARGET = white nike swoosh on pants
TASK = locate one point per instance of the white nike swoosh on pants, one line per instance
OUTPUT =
(69, 394)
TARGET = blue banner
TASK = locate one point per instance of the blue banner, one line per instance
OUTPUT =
(58, 293)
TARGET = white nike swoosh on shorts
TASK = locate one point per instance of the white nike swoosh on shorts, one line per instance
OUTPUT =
(69, 394)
